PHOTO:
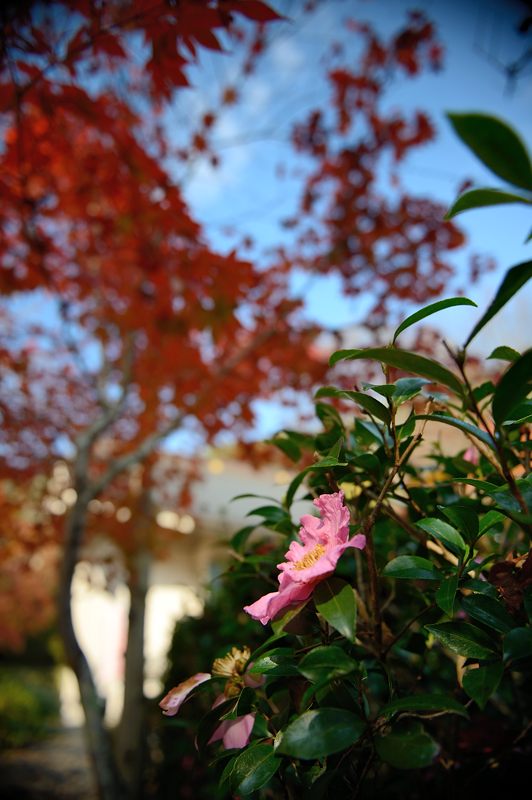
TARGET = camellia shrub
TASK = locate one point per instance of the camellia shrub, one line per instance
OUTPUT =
(398, 642)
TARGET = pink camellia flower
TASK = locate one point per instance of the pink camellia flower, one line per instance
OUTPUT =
(176, 696)
(234, 732)
(312, 560)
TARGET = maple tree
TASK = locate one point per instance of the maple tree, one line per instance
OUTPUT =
(142, 332)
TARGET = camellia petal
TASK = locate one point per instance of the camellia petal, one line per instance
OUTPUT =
(172, 702)
(234, 733)
(312, 559)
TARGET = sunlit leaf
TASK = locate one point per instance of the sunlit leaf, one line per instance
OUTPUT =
(402, 359)
(511, 283)
(478, 198)
(497, 145)
(433, 308)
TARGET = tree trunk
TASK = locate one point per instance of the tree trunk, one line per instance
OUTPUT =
(98, 740)
(130, 740)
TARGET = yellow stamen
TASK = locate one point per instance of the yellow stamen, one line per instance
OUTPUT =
(232, 664)
(310, 558)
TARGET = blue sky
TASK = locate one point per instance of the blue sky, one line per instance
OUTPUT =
(245, 194)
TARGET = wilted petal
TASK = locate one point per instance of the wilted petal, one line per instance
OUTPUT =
(176, 696)
(234, 733)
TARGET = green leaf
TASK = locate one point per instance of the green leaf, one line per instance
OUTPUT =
(365, 401)
(518, 644)
(265, 646)
(286, 446)
(477, 585)
(318, 733)
(407, 388)
(412, 567)
(423, 702)
(477, 198)
(513, 387)
(466, 427)
(511, 283)
(527, 602)
(407, 746)
(402, 359)
(479, 684)
(284, 619)
(489, 520)
(463, 518)
(505, 498)
(446, 594)
(240, 538)
(279, 661)
(489, 611)
(497, 145)
(253, 768)
(384, 389)
(478, 484)
(269, 513)
(463, 638)
(520, 414)
(324, 463)
(433, 308)
(445, 534)
(504, 353)
(326, 661)
(335, 601)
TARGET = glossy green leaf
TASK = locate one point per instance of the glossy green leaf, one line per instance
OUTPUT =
(445, 534)
(480, 586)
(326, 661)
(486, 486)
(286, 446)
(402, 359)
(278, 661)
(518, 644)
(407, 388)
(241, 536)
(479, 684)
(513, 387)
(489, 611)
(285, 619)
(407, 746)
(253, 768)
(464, 519)
(335, 601)
(423, 702)
(504, 353)
(478, 198)
(384, 389)
(511, 283)
(527, 602)
(446, 595)
(324, 463)
(365, 401)
(463, 638)
(504, 498)
(411, 567)
(497, 145)
(520, 414)
(489, 520)
(433, 308)
(462, 425)
(321, 732)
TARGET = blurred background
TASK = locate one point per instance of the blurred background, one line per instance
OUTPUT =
(200, 202)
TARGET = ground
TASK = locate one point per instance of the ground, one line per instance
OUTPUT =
(54, 769)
